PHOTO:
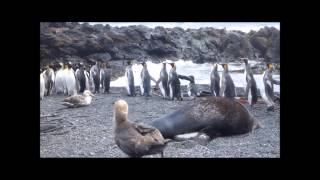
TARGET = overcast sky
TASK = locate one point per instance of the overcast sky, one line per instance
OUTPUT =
(242, 26)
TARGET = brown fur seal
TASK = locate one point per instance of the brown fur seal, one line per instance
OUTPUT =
(214, 116)
(136, 140)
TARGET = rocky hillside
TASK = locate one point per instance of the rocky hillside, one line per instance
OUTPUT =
(80, 42)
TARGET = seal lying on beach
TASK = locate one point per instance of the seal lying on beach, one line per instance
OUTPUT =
(213, 116)
(136, 140)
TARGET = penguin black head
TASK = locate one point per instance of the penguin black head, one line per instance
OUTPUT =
(225, 66)
(129, 62)
(245, 60)
(215, 66)
(59, 65)
(69, 64)
(172, 65)
(144, 64)
(51, 65)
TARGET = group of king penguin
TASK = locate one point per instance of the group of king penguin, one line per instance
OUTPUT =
(169, 84)
(71, 79)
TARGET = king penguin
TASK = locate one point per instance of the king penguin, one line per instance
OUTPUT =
(267, 93)
(215, 81)
(226, 83)
(163, 84)
(130, 80)
(81, 78)
(145, 85)
(69, 80)
(95, 74)
(174, 83)
(49, 78)
(42, 86)
(251, 91)
(105, 76)
(59, 80)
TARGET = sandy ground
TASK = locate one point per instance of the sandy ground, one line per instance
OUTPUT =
(88, 131)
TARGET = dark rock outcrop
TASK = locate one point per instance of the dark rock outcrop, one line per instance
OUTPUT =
(59, 41)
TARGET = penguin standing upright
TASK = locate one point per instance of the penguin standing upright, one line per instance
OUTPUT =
(102, 68)
(267, 93)
(69, 80)
(145, 86)
(130, 80)
(105, 75)
(49, 78)
(59, 80)
(192, 88)
(95, 74)
(227, 88)
(215, 81)
(174, 83)
(81, 78)
(42, 86)
(163, 81)
(87, 76)
(251, 91)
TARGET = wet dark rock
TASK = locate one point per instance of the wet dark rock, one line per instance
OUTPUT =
(61, 39)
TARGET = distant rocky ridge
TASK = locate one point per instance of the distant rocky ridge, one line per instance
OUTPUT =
(71, 41)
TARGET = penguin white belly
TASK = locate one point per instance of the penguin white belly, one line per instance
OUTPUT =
(42, 86)
(87, 80)
(70, 83)
(127, 84)
(59, 84)
(102, 75)
(141, 88)
(171, 91)
(77, 80)
(249, 96)
(189, 90)
(163, 92)
(91, 84)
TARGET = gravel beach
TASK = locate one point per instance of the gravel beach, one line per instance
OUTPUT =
(87, 132)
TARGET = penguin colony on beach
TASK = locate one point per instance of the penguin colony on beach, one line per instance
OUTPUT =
(70, 79)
